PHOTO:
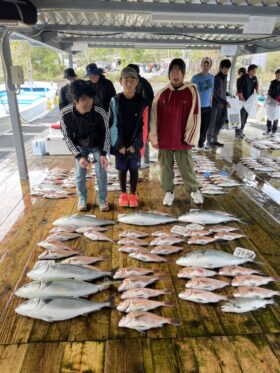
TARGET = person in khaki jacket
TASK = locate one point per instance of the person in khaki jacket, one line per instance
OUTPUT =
(175, 129)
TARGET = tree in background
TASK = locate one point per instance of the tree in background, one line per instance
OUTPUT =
(46, 64)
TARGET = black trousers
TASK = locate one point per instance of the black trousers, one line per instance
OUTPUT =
(272, 126)
(218, 116)
(205, 122)
(243, 117)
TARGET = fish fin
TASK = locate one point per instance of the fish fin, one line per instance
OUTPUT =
(121, 215)
(49, 319)
(257, 262)
(175, 322)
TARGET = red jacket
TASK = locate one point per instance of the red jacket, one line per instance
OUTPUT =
(175, 123)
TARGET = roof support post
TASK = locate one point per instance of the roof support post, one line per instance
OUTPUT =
(232, 75)
(70, 59)
(13, 106)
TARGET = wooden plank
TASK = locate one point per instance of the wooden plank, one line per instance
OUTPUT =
(83, 357)
(274, 342)
(165, 357)
(123, 356)
(254, 354)
(42, 357)
(11, 358)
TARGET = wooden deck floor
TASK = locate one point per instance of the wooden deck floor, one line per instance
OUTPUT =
(207, 341)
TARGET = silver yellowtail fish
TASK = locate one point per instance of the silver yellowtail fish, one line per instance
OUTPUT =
(241, 305)
(146, 218)
(62, 271)
(207, 217)
(60, 288)
(57, 309)
(210, 259)
(81, 221)
(145, 320)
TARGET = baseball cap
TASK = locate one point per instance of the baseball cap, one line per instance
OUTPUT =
(129, 72)
(92, 69)
(206, 59)
(69, 73)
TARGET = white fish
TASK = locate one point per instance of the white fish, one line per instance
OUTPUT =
(97, 236)
(201, 296)
(194, 227)
(146, 257)
(143, 293)
(57, 254)
(205, 283)
(132, 249)
(83, 260)
(60, 288)
(213, 192)
(206, 217)
(233, 271)
(56, 195)
(251, 280)
(53, 245)
(254, 292)
(145, 320)
(191, 272)
(241, 305)
(133, 241)
(58, 270)
(210, 259)
(197, 240)
(135, 282)
(133, 234)
(160, 234)
(166, 250)
(62, 229)
(60, 308)
(227, 236)
(132, 305)
(146, 218)
(81, 221)
(126, 272)
(222, 228)
(228, 184)
(164, 241)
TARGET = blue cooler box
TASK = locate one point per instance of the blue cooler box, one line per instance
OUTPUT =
(39, 147)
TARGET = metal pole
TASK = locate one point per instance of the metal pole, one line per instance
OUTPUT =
(232, 75)
(13, 106)
(71, 60)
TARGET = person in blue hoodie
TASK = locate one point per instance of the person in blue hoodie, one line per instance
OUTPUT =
(205, 85)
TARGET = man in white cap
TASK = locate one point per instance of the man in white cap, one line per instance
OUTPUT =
(205, 85)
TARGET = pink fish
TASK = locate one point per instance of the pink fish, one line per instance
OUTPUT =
(199, 233)
(131, 249)
(166, 250)
(133, 234)
(143, 293)
(126, 272)
(251, 280)
(137, 282)
(53, 245)
(201, 296)
(144, 256)
(191, 272)
(233, 271)
(145, 320)
(167, 240)
(201, 240)
(62, 236)
(227, 236)
(56, 254)
(97, 236)
(222, 228)
(83, 260)
(205, 283)
(132, 241)
(254, 292)
(131, 305)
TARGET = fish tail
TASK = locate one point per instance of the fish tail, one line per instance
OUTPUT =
(165, 291)
(160, 277)
(175, 322)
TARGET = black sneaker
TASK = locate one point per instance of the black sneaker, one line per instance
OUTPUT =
(239, 134)
(220, 145)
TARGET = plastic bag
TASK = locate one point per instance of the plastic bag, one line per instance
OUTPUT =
(251, 106)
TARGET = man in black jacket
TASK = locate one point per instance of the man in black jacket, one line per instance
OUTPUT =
(246, 86)
(85, 129)
(103, 87)
(64, 94)
(273, 100)
(219, 105)
(145, 90)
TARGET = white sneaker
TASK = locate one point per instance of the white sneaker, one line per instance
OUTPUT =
(82, 205)
(197, 197)
(104, 206)
(168, 199)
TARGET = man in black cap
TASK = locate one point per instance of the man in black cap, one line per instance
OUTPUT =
(64, 94)
(104, 88)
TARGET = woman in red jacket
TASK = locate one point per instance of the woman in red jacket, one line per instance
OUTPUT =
(175, 128)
